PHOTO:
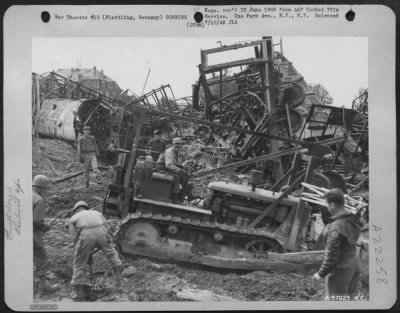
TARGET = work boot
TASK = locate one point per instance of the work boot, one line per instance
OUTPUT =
(79, 292)
(46, 287)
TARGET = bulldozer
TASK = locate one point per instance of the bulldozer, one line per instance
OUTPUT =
(235, 226)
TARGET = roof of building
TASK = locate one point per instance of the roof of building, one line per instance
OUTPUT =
(77, 74)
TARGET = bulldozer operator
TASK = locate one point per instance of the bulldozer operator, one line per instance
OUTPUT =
(168, 161)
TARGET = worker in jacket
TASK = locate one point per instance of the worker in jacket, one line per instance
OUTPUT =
(169, 161)
(341, 265)
(89, 231)
(40, 186)
(156, 145)
(88, 152)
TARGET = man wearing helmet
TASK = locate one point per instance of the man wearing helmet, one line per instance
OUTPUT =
(40, 185)
(88, 151)
(89, 230)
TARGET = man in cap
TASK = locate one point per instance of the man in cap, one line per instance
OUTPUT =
(89, 231)
(168, 161)
(40, 186)
(88, 152)
(156, 145)
(77, 124)
(341, 265)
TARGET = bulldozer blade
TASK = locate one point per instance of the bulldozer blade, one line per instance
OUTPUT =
(274, 261)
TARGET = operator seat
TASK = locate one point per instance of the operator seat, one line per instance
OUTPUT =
(154, 183)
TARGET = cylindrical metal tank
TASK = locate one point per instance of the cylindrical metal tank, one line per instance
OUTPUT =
(55, 118)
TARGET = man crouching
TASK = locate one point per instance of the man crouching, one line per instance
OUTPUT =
(341, 265)
(88, 228)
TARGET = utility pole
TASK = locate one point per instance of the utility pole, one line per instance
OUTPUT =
(145, 82)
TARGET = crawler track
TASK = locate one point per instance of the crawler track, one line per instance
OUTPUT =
(228, 231)
(194, 241)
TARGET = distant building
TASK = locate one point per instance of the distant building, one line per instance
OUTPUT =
(92, 78)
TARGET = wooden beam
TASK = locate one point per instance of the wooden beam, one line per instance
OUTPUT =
(76, 174)
(247, 162)
(275, 203)
(283, 177)
(355, 188)
(298, 218)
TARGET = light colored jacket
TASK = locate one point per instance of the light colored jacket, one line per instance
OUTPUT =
(85, 219)
(169, 158)
(87, 144)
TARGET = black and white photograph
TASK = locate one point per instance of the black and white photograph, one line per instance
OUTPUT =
(209, 170)
(223, 169)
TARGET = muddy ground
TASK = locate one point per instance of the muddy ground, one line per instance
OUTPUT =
(145, 279)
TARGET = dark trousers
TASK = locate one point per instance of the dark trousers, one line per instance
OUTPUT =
(40, 260)
(179, 179)
(344, 281)
(89, 239)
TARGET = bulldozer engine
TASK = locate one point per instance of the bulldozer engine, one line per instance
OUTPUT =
(238, 205)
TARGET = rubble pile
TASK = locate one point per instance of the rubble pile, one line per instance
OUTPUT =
(58, 159)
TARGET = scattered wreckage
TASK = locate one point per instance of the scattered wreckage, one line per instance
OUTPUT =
(257, 118)
(233, 226)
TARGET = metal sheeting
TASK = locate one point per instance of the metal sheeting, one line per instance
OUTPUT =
(55, 118)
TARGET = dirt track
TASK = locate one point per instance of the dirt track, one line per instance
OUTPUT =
(145, 279)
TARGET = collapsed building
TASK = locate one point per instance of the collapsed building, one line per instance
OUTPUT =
(255, 119)
(264, 94)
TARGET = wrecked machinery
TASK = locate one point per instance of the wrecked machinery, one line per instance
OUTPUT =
(263, 108)
(56, 97)
(235, 226)
(263, 93)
